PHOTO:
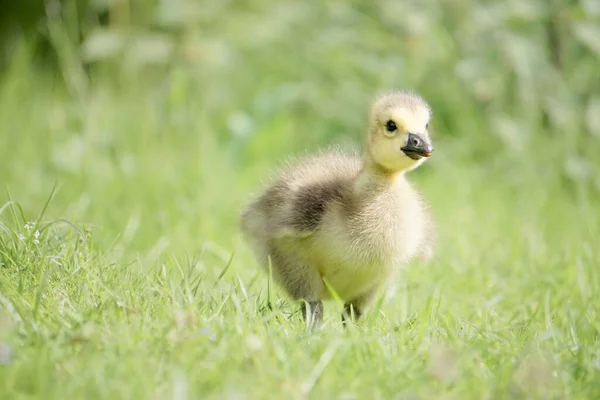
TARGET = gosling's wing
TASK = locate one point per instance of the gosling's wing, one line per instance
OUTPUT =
(308, 205)
(309, 187)
(274, 214)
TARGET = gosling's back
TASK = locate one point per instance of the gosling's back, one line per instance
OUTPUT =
(294, 203)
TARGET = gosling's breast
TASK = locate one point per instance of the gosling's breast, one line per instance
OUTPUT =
(359, 253)
(388, 229)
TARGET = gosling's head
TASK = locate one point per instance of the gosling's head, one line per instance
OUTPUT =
(398, 138)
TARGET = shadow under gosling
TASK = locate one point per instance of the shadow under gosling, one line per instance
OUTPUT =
(347, 219)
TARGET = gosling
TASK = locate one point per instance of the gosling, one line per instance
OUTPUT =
(348, 222)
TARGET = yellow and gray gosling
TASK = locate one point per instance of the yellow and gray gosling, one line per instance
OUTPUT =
(347, 219)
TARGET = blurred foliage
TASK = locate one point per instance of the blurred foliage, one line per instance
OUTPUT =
(509, 78)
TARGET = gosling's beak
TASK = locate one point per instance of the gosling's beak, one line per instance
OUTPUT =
(416, 147)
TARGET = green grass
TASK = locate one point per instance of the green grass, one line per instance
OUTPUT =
(122, 273)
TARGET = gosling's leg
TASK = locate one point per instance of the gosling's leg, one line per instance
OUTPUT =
(356, 307)
(351, 310)
(312, 312)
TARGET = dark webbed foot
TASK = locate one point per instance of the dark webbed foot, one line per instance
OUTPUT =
(314, 312)
(351, 311)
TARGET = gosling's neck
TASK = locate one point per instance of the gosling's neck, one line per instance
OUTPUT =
(374, 179)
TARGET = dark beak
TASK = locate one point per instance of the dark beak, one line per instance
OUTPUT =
(417, 147)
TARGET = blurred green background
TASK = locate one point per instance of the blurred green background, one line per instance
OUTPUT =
(208, 89)
(156, 119)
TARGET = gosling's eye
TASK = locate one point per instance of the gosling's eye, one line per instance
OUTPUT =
(427, 126)
(391, 126)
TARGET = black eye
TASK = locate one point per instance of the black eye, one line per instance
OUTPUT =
(427, 126)
(390, 126)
